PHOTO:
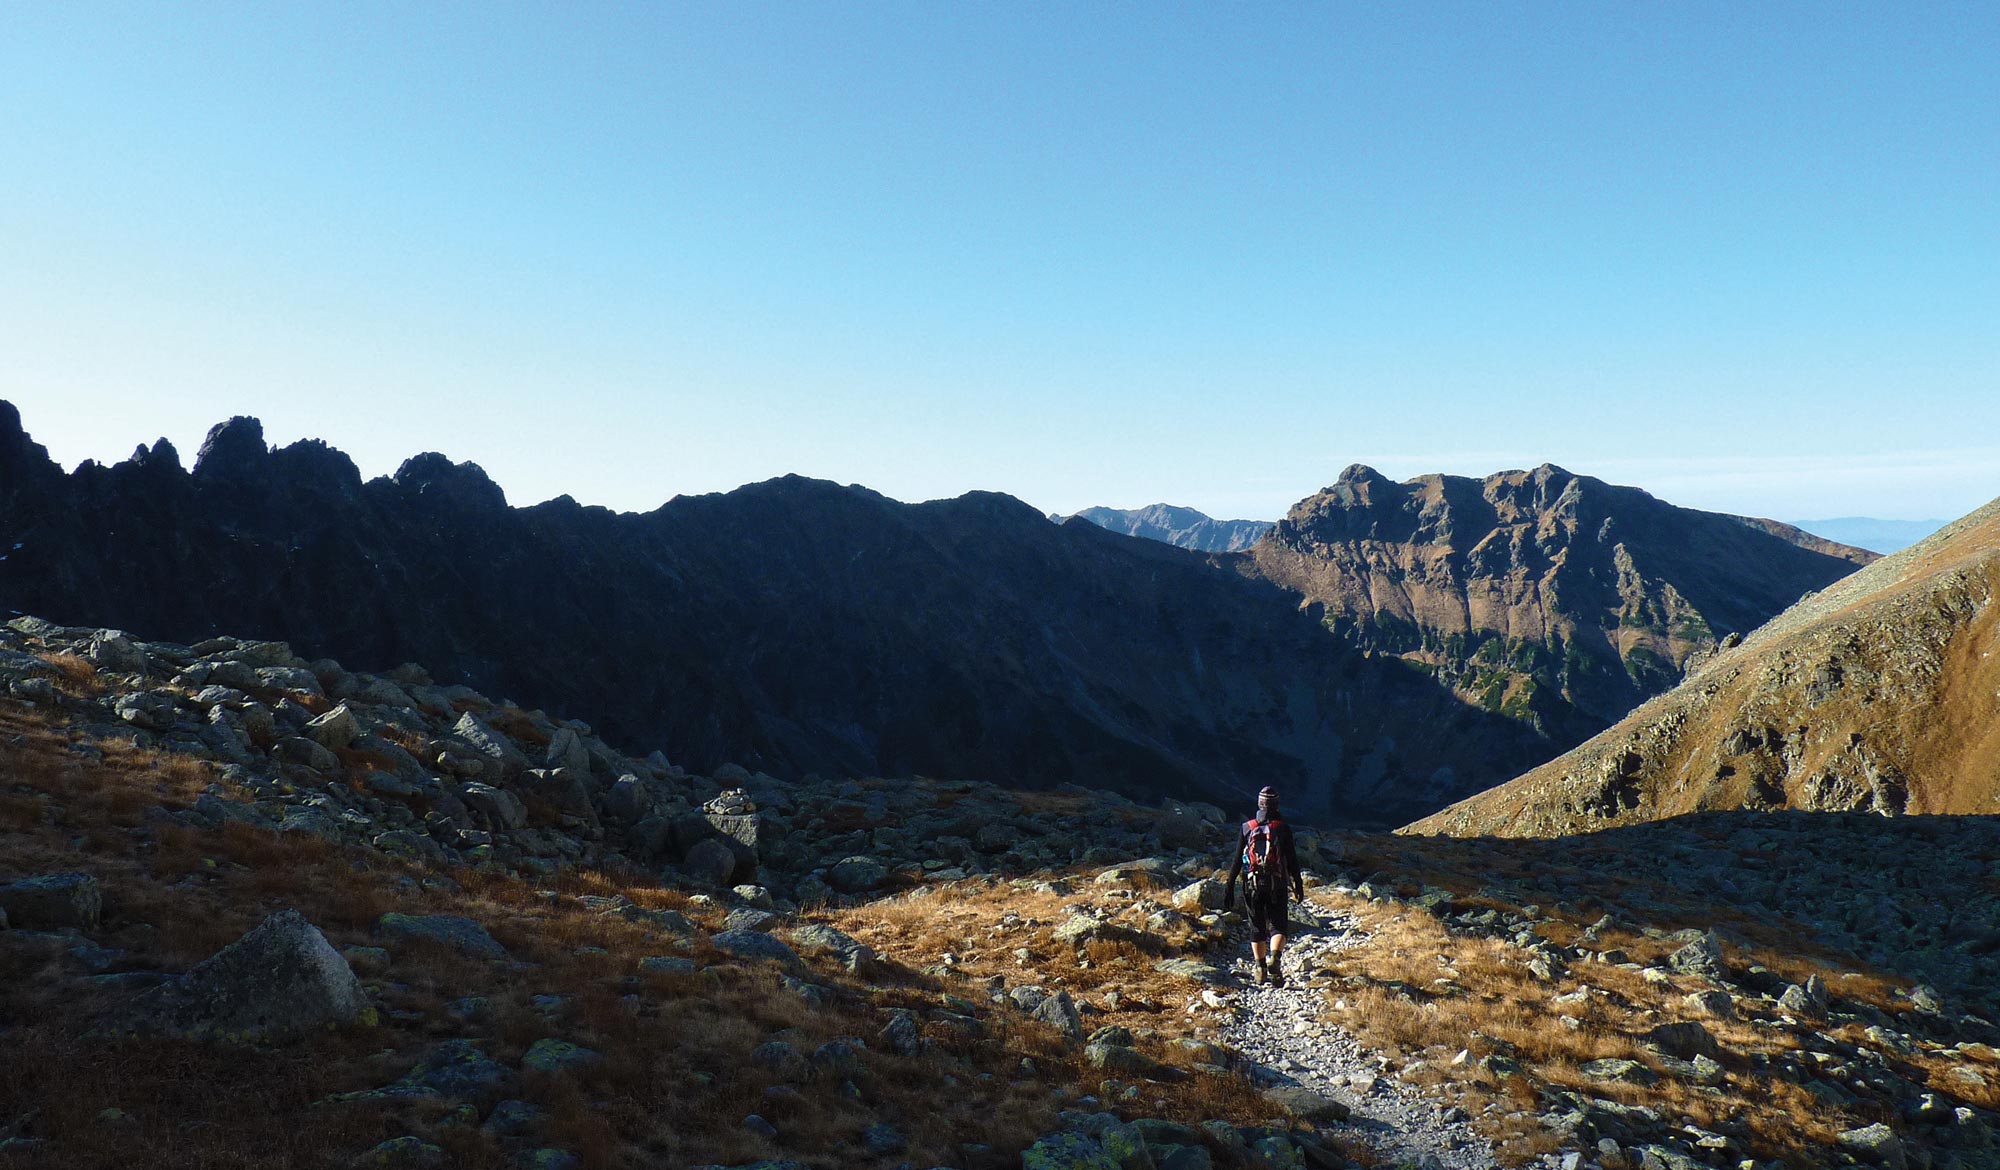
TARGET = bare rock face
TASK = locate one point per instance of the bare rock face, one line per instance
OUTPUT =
(1548, 597)
(1880, 694)
(280, 981)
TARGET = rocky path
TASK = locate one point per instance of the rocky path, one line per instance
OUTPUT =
(1282, 1031)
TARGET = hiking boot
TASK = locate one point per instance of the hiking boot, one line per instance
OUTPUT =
(1277, 975)
(1262, 975)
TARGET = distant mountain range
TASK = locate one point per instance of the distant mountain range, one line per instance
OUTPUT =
(1882, 536)
(1880, 694)
(793, 626)
(1180, 527)
(1382, 651)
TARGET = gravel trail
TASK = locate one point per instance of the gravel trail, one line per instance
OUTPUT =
(1283, 1032)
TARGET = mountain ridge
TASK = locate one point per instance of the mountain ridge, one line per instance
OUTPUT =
(1876, 694)
(793, 625)
(1178, 526)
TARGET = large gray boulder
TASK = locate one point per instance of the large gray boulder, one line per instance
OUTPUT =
(1058, 1011)
(491, 744)
(857, 875)
(566, 750)
(281, 980)
(53, 901)
(146, 711)
(498, 807)
(334, 730)
(753, 945)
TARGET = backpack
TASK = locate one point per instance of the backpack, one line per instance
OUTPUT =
(1263, 861)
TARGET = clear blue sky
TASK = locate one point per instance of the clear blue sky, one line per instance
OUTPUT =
(1746, 256)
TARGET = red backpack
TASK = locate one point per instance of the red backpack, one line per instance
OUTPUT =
(1263, 861)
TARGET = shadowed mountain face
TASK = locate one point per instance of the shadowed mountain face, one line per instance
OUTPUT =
(1881, 694)
(1180, 527)
(792, 626)
(1555, 599)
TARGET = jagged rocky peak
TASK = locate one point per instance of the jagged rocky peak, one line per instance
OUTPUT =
(435, 477)
(1551, 597)
(232, 448)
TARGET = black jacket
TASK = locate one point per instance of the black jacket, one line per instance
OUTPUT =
(1282, 834)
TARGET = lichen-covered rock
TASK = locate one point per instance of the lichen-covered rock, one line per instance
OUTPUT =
(1068, 1151)
(456, 1071)
(53, 901)
(560, 1056)
(280, 981)
(1305, 1105)
(750, 944)
(451, 930)
(1059, 1012)
(857, 875)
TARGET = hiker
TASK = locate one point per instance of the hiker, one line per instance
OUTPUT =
(1265, 858)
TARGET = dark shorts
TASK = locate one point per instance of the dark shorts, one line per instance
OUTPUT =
(1269, 912)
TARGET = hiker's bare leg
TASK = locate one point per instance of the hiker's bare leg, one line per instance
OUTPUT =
(1277, 945)
(1257, 952)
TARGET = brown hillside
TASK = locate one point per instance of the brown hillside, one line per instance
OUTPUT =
(1880, 693)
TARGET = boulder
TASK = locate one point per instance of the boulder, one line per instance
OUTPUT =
(709, 860)
(1701, 957)
(1059, 1012)
(1068, 1151)
(449, 930)
(750, 944)
(491, 744)
(1685, 1040)
(146, 711)
(566, 750)
(113, 650)
(1876, 1143)
(813, 938)
(297, 749)
(561, 1056)
(455, 1071)
(1303, 1104)
(335, 730)
(857, 875)
(1630, 1072)
(53, 901)
(280, 981)
(498, 807)
(1200, 897)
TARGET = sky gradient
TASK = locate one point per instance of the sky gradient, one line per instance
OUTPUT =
(1745, 257)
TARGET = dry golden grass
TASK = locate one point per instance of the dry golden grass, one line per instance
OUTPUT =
(76, 676)
(1476, 995)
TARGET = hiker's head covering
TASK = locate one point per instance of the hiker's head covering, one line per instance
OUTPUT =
(1267, 801)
